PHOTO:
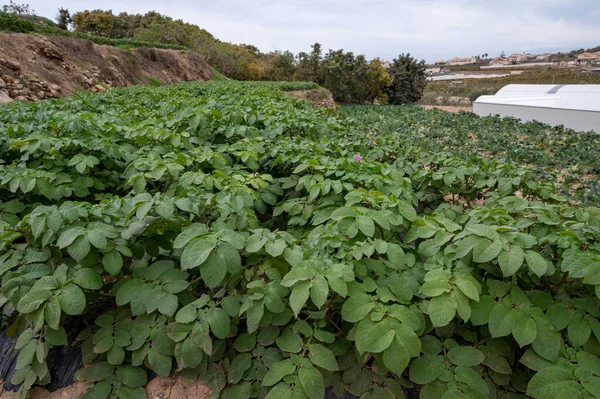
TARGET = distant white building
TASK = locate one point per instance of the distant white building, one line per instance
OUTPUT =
(543, 57)
(573, 106)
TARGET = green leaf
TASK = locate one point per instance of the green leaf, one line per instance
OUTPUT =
(547, 342)
(468, 288)
(312, 382)
(466, 356)
(79, 249)
(297, 274)
(168, 304)
(323, 357)
(219, 322)
(357, 307)
(72, 300)
(69, 236)
(88, 278)
(524, 329)
(486, 250)
(112, 262)
(299, 296)
(56, 337)
(501, 320)
(133, 377)
(319, 291)
(442, 310)
(373, 336)
(239, 365)
(52, 313)
(159, 363)
(31, 301)
(426, 369)
(196, 252)
(579, 331)
(290, 342)
(275, 248)
(435, 287)
(213, 270)
(537, 263)
(366, 225)
(280, 391)
(277, 371)
(396, 357)
(97, 239)
(550, 382)
(511, 261)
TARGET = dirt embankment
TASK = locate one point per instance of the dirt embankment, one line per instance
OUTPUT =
(322, 98)
(35, 67)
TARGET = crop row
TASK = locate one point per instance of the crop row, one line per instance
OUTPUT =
(266, 248)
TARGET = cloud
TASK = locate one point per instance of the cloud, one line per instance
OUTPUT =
(429, 29)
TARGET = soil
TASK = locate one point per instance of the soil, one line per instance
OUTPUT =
(449, 108)
(322, 98)
(158, 388)
(69, 64)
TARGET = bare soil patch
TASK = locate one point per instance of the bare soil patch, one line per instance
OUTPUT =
(449, 108)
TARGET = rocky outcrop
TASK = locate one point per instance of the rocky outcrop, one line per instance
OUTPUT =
(35, 67)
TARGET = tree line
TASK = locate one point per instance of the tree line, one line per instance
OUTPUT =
(351, 78)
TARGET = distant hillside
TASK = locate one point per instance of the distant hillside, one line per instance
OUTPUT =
(35, 67)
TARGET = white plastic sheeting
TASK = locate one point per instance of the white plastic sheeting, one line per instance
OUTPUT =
(573, 106)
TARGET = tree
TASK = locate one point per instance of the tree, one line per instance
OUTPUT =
(96, 22)
(408, 80)
(309, 65)
(378, 81)
(18, 9)
(63, 18)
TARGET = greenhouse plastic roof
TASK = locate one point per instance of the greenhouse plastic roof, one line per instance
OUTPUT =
(571, 97)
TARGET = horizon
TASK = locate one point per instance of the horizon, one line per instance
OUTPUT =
(295, 26)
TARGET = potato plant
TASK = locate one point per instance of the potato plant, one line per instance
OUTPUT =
(232, 235)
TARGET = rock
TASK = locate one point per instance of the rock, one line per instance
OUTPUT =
(40, 94)
(33, 98)
(2, 84)
(14, 65)
(174, 388)
(52, 53)
(36, 86)
(100, 88)
(55, 87)
(54, 93)
(20, 98)
(13, 93)
(5, 98)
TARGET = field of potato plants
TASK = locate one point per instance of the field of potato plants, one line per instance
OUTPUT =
(227, 233)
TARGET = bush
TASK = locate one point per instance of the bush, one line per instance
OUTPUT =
(408, 80)
(12, 23)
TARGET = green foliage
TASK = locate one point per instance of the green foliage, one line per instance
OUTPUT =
(12, 23)
(408, 80)
(240, 243)
(63, 18)
(560, 155)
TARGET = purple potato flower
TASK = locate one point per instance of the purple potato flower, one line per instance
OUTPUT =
(358, 158)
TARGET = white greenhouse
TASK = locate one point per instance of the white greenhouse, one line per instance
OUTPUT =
(573, 106)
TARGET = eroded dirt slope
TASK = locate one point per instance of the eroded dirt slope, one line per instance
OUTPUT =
(35, 67)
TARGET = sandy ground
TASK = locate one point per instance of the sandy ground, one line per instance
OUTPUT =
(158, 388)
(449, 108)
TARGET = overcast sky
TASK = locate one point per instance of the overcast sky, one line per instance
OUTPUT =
(429, 29)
